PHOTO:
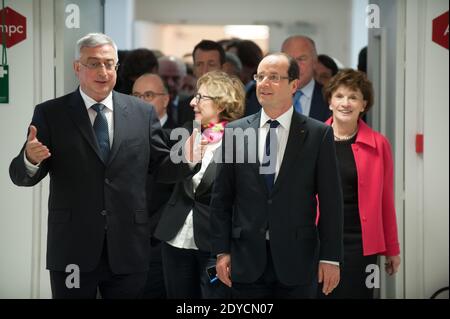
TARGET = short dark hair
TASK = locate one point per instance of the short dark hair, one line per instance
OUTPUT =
(293, 69)
(209, 45)
(248, 52)
(354, 80)
(362, 60)
(136, 63)
(329, 63)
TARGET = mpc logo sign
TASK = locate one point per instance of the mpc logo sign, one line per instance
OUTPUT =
(15, 27)
(440, 30)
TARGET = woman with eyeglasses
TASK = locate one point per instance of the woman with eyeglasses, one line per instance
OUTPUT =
(184, 225)
(367, 178)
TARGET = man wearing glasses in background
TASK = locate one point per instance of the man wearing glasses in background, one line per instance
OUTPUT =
(263, 216)
(153, 90)
(97, 145)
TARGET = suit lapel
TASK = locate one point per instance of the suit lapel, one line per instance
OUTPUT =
(80, 116)
(254, 124)
(120, 124)
(297, 134)
(207, 179)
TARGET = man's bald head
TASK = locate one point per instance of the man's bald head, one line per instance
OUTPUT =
(303, 50)
(152, 89)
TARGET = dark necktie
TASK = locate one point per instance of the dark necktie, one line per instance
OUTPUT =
(297, 105)
(270, 160)
(101, 130)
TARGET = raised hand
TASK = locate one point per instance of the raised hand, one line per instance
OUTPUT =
(35, 151)
(194, 149)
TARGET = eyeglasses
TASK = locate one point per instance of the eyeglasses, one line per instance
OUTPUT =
(199, 96)
(95, 65)
(149, 95)
(274, 78)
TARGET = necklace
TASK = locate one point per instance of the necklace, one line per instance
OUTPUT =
(345, 138)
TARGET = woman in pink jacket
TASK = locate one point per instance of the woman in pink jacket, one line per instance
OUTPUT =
(366, 168)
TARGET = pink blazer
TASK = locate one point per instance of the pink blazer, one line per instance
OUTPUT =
(375, 168)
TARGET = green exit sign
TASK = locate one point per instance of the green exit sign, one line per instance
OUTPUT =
(4, 83)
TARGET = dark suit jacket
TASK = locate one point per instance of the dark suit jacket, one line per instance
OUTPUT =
(252, 105)
(184, 199)
(185, 111)
(319, 107)
(242, 209)
(91, 200)
(158, 194)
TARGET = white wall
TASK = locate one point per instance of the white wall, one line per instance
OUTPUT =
(328, 22)
(426, 175)
(360, 33)
(16, 203)
(122, 33)
(436, 156)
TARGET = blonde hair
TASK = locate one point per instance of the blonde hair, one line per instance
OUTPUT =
(228, 92)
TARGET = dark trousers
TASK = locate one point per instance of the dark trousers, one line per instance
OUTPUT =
(268, 285)
(186, 277)
(154, 287)
(352, 284)
(110, 285)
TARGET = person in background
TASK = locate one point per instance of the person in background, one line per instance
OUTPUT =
(153, 90)
(250, 54)
(136, 63)
(189, 82)
(184, 225)
(232, 65)
(325, 69)
(367, 177)
(122, 54)
(308, 99)
(362, 60)
(172, 70)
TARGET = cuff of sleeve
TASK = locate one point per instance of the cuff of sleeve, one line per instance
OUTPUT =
(336, 263)
(31, 168)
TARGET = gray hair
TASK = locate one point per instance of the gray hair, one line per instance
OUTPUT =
(92, 40)
(234, 60)
(180, 63)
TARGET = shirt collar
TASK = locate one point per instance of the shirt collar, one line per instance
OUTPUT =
(308, 89)
(163, 119)
(88, 101)
(284, 119)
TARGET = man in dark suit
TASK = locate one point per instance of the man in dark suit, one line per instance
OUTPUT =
(97, 145)
(308, 99)
(263, 217)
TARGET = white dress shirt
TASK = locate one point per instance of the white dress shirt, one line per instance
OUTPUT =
(282, 136)
(163, 119)
(185, 236)
(88, 102)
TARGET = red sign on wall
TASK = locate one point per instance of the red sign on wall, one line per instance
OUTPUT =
(440, 30)
(15, 28)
